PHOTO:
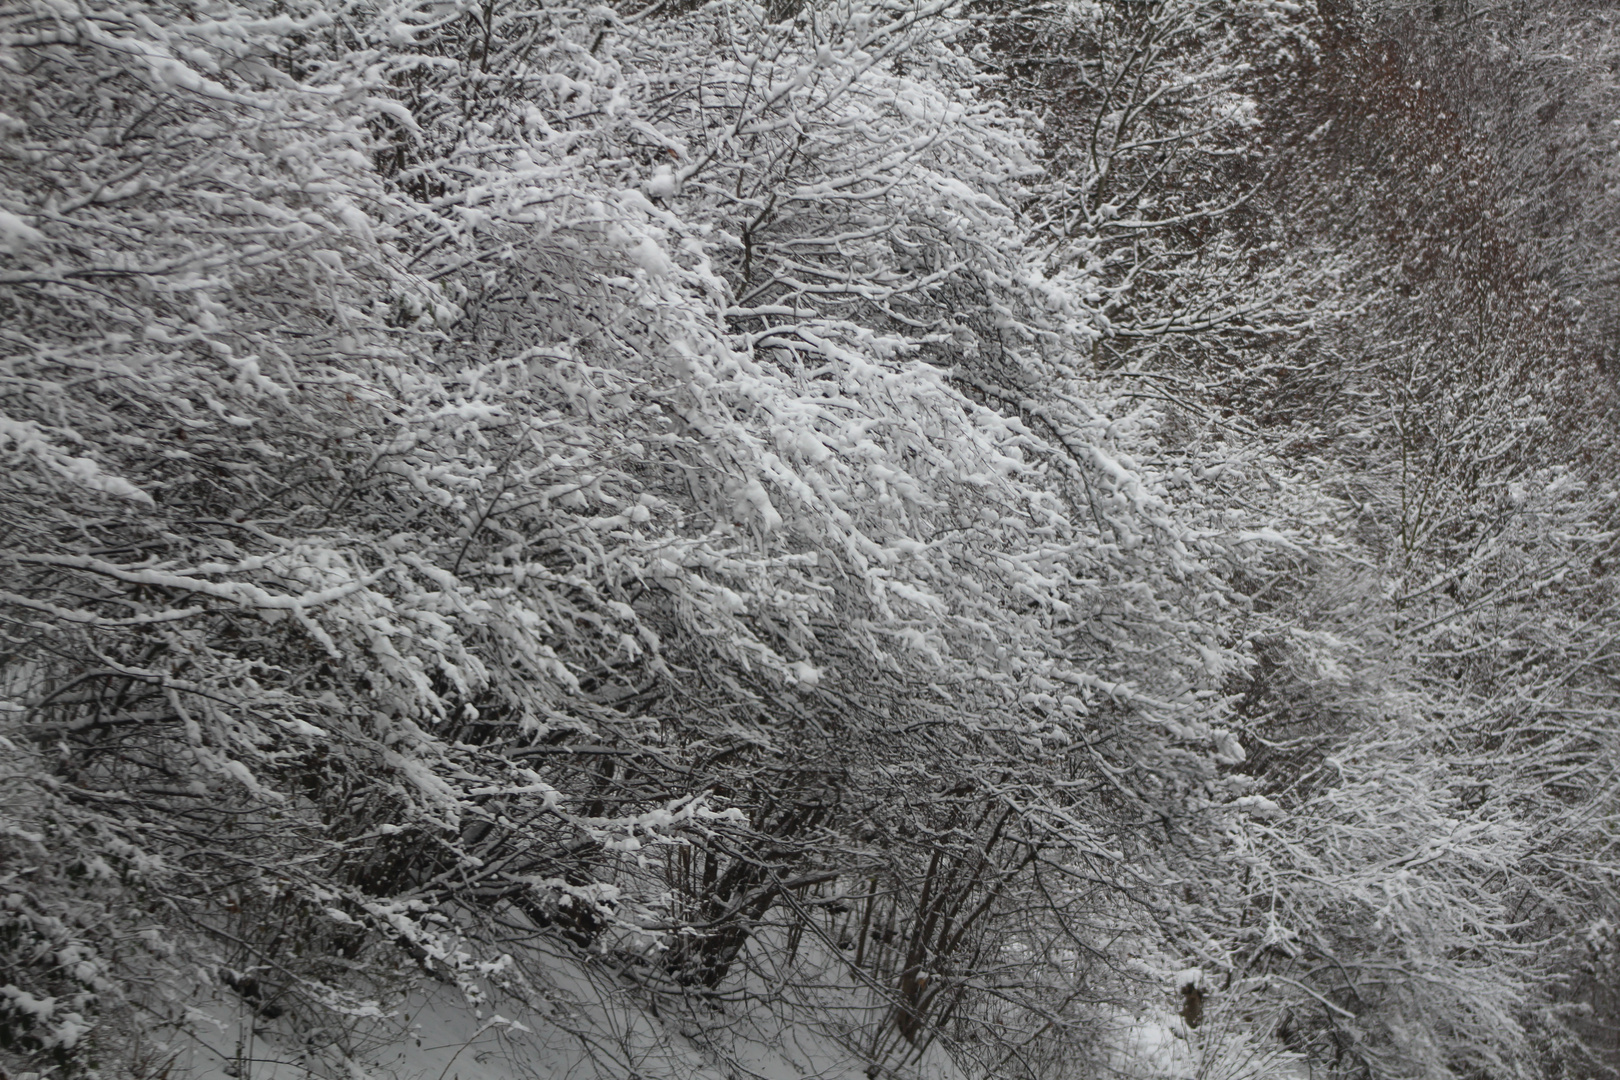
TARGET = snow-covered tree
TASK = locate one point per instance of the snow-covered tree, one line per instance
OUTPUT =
(470, 460)
(677, 482)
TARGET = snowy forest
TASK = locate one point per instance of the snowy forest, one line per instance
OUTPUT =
(853, 539)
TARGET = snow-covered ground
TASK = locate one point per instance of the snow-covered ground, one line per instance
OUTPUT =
(578, 1021)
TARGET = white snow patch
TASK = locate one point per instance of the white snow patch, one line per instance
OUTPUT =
(1259, 806)
(808, 675)
(28, 438)
(661, 185)
(16, 234)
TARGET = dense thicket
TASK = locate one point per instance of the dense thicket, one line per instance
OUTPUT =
(989, 509)
(1448, 167)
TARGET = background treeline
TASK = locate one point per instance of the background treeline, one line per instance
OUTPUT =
(1037, 525)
